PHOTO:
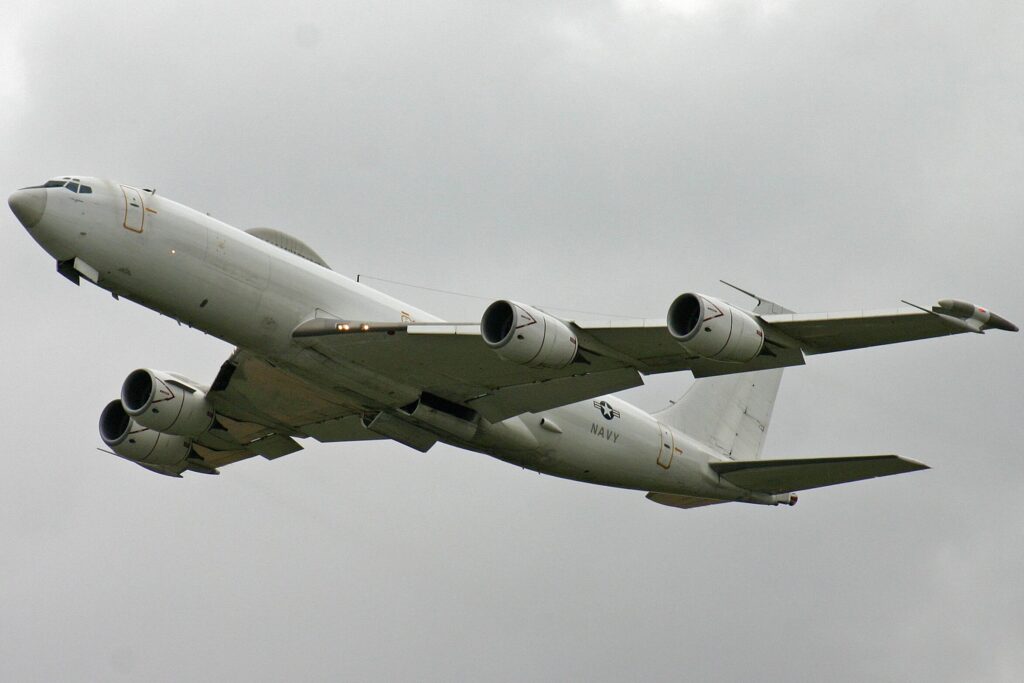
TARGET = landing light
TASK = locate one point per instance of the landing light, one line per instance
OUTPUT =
(374, 327)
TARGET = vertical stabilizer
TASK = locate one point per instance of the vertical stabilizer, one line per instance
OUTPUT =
(730, 413)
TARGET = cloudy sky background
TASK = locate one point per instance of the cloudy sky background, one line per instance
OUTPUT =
(599, 156)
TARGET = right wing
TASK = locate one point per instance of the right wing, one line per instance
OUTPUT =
(451, 360)
(261, 407)
(789, 336)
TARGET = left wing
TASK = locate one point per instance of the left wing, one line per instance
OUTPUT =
(458, 363)
(678, 500)
(453, 362)
(789, 336)
(860, 329)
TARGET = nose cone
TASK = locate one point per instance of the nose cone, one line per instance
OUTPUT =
(28, 205)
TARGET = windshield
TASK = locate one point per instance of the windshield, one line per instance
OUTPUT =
(66, 182)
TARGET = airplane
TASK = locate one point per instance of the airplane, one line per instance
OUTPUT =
(321, 356)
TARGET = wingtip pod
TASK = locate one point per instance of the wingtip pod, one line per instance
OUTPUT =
(998, 322)
(975, 318)
(1001, 323)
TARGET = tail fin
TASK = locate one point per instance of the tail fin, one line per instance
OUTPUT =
(730, 413)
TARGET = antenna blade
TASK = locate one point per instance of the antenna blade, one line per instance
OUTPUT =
(763, 305)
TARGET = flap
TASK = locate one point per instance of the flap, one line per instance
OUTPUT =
(510, 401)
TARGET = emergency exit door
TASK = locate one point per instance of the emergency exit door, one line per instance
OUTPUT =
(134, 211)
(668, 447)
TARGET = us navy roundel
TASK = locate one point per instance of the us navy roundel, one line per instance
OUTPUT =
(607, 412)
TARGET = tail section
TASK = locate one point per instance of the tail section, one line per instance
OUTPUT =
(772, 482)
(729, 412)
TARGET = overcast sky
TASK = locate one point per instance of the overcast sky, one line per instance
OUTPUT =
(598, 156)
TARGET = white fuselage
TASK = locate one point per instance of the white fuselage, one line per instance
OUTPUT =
(230, 284)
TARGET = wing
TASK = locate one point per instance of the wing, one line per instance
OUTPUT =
(860, 329)
(453, 362)
(261, 407)
(347, 376)
(789, 336)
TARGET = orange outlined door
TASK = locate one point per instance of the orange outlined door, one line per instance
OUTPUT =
(134, 211)
(668, 447)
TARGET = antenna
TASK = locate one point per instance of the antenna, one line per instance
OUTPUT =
(765, 305)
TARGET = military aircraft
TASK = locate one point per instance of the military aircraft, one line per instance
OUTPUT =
(321, 356)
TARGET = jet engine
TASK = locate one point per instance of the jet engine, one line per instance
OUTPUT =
(166, 403)
(712, 329)
(132, 441)
(522, 334)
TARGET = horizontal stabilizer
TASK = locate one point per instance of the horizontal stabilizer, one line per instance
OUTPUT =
(783, 476)
(678, 500)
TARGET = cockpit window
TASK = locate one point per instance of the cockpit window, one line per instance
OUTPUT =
(48, 183)
(65, 182)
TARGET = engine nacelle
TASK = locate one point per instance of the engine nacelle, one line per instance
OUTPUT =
(132, 441)
(710, 328)
(166, 403)
(522, 334)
